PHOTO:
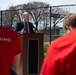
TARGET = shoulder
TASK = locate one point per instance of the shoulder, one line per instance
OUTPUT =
(8, 31)
(65, 40)
(30, 23)
(20, 22)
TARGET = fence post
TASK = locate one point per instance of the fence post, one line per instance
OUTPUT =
(50, 24)
(1, 18)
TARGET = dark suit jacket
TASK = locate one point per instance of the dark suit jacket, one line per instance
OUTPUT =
(20, 26)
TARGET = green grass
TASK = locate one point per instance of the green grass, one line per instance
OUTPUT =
(46, 45)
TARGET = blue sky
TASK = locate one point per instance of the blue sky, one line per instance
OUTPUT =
(4, 4)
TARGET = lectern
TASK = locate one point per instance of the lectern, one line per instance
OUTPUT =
(32, 54)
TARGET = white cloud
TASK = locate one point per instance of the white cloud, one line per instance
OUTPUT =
(15, 2)
(4, 5)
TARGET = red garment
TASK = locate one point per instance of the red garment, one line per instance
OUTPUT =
(61, 56)
(4, 69)
(9, 44)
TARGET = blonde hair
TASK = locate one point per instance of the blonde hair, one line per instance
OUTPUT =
(69, 20)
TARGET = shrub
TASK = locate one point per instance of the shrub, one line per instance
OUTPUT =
(45, 47)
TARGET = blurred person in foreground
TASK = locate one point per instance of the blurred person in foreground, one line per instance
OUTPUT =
(25, 26)
(10, 47)
(61, 55)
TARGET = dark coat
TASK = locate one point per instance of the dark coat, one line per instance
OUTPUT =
(20, 26)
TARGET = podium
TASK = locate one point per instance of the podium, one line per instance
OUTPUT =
(32, 54)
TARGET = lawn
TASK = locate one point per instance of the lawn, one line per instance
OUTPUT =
(46, 45)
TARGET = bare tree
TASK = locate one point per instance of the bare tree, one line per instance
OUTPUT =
(57, 15)
(14, 14)
(36, 10)
(39, 12)
(7, 16)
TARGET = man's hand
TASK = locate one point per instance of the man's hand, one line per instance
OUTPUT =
(23, 31)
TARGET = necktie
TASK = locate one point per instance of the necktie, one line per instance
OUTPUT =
(26, 27)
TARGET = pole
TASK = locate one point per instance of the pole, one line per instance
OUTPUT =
(50, 24)
(1, 18)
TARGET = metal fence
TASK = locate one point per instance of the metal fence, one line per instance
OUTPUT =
(48, 20)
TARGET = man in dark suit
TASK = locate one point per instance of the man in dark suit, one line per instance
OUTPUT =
(25, 26)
